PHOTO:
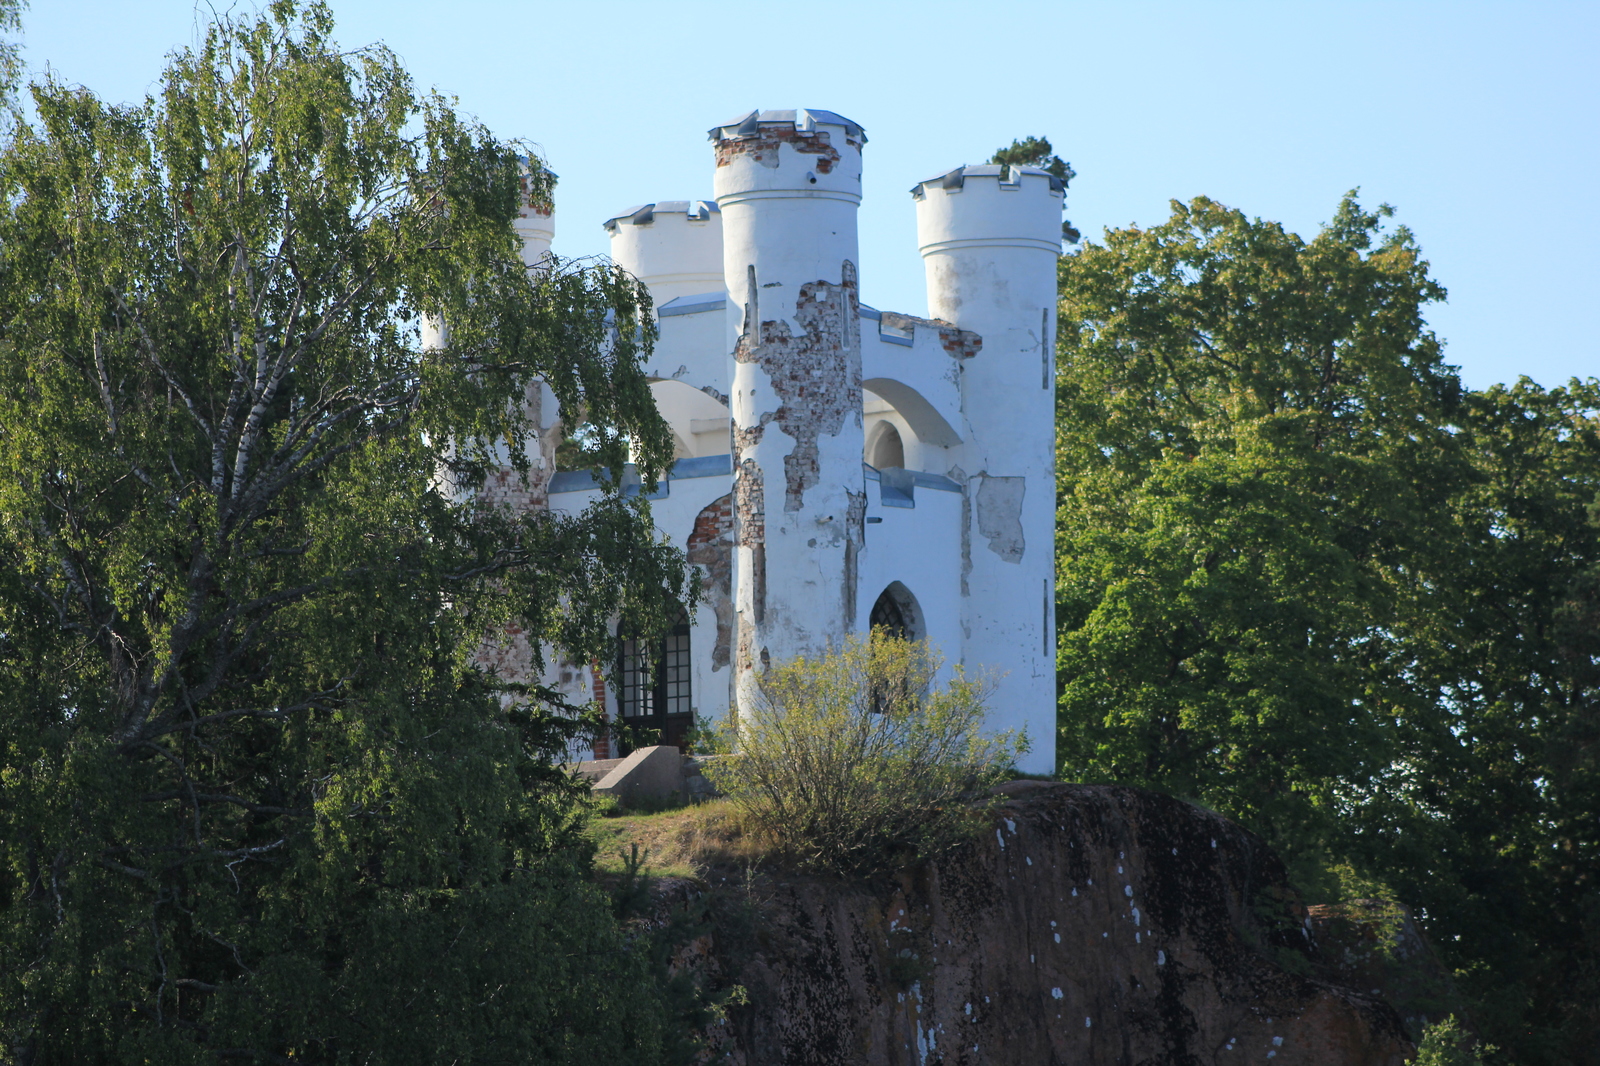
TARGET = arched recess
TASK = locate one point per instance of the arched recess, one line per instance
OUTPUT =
(699, 421)
(885, 449)
(923, 418)
(897, 611)
(710, 545)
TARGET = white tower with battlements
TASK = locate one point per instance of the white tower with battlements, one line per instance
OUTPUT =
(674, 247)
(990, 237)
(536, 227)
(789, 184)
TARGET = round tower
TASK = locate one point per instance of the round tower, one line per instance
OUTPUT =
(789, 184)
(535, 224)
(990, 237)
(535, 228)
(674, 247)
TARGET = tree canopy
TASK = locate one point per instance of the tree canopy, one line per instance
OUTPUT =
(1034, 152)
(258, 801)
(10, 59)
(1309, 580)
(1037, 152)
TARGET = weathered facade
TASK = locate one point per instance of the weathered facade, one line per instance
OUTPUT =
(838, 465)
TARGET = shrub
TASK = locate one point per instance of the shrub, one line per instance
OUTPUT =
(1446, 1043)
(852, 760)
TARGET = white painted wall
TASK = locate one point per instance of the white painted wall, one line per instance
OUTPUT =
(915, 547)
(698, 421)
(691, 347)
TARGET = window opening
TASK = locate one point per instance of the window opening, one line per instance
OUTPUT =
(886, 620)
(887, 616)
(654, 687)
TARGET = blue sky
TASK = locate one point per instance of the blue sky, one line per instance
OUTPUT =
(1479, 122)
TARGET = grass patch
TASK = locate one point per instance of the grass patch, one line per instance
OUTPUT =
(688, 842)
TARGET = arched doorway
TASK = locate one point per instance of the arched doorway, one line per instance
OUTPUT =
(894, 615)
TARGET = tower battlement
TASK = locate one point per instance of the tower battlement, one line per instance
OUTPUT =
(803, 121)
(673, 246)
(535, 223)
(788, 155)
(990, 205)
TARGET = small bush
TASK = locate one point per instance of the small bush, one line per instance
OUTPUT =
(1446, 1043)
(855, 760)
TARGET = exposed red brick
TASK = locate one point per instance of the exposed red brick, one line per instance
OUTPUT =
(960, 343)
(769, 138)
(506, 488)
(602, 743)
(816, 373)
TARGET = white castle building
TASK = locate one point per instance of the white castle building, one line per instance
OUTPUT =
(840, 466)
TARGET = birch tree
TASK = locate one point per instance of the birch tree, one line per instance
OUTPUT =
(258, 802)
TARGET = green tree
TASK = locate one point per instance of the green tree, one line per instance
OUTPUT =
(1037, 152)
(1251, 448)
(257, 801)
(1308, 581)
(1034, 152)
(10, 57)
(1492, 822)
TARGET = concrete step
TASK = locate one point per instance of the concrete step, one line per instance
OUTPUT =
(595, 769)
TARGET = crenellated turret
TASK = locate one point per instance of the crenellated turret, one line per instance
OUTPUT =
(674, 247)
(535, 228)
(990, 237)
(788, 184)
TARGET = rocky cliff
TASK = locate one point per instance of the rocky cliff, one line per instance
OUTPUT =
(1095, 925)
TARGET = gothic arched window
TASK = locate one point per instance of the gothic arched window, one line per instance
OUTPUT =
(888, 617)
(894, 615)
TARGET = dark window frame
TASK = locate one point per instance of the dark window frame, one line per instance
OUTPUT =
(888, 615)
(655, 684)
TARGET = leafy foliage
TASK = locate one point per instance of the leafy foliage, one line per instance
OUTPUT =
(1447, 1044)
(1037, 152)
(1309, 581)
(1034, 152)
(1494, 824)
(856, 758)
(10, 54)
(1249, 439)
(258, 801)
